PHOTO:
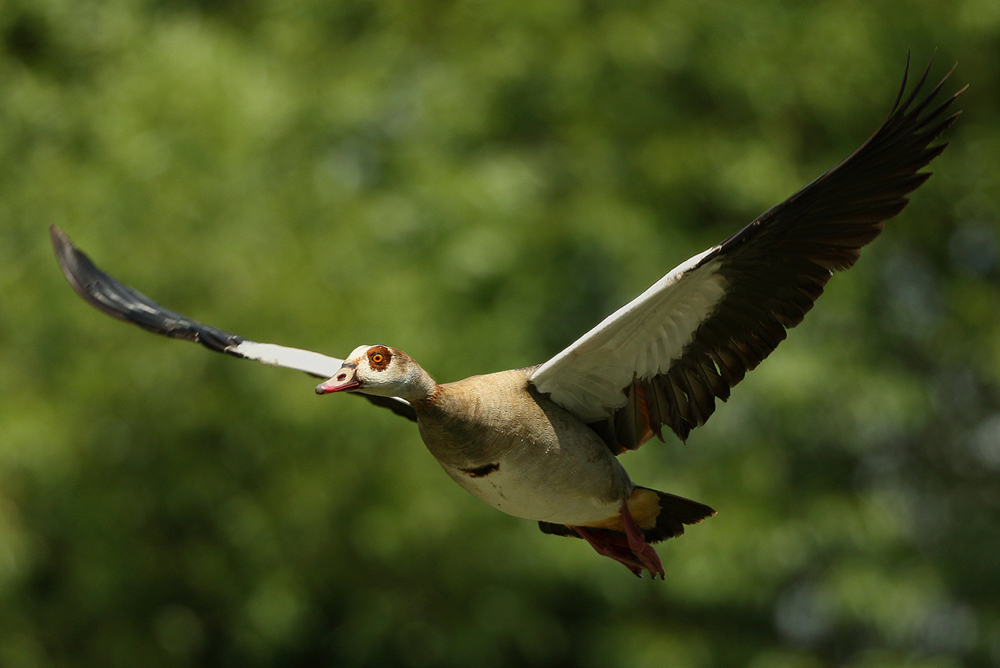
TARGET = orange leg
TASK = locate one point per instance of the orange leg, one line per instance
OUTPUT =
(637, 543)
(632, 550)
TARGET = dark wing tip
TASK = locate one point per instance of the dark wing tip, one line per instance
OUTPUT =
(118, 300)
(83, 276)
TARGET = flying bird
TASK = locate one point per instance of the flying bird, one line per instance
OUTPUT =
(542, 442)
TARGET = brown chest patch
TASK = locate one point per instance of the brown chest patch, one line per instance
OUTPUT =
(481, 471)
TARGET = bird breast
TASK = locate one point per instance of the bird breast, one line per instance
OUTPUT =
(520, 452)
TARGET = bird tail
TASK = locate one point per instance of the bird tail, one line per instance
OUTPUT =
(674, 512)
(659, 515)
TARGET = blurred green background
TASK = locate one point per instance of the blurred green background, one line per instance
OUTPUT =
(478, 183)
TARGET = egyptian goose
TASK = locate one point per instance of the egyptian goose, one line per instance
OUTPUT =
(542, 442)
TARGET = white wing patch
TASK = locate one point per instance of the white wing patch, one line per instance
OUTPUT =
(639, 340)
(290, 358)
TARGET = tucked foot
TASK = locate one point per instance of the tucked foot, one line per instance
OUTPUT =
(631, 550)
(637, 543)
(611, 544)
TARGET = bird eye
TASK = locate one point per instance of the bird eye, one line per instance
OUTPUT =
(379, 358)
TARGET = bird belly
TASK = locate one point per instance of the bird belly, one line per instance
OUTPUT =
(536, 497)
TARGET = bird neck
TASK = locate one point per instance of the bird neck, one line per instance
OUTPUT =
(419, 387)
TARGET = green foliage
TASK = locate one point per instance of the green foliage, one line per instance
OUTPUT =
(478, 183)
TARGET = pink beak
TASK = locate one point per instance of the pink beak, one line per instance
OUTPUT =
(346, 379)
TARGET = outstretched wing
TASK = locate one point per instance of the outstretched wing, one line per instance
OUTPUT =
(665, 357)
(107, 294)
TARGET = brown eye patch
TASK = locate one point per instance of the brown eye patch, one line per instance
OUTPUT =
(379, 358)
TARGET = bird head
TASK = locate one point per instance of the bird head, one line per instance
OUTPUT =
(380, 371)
